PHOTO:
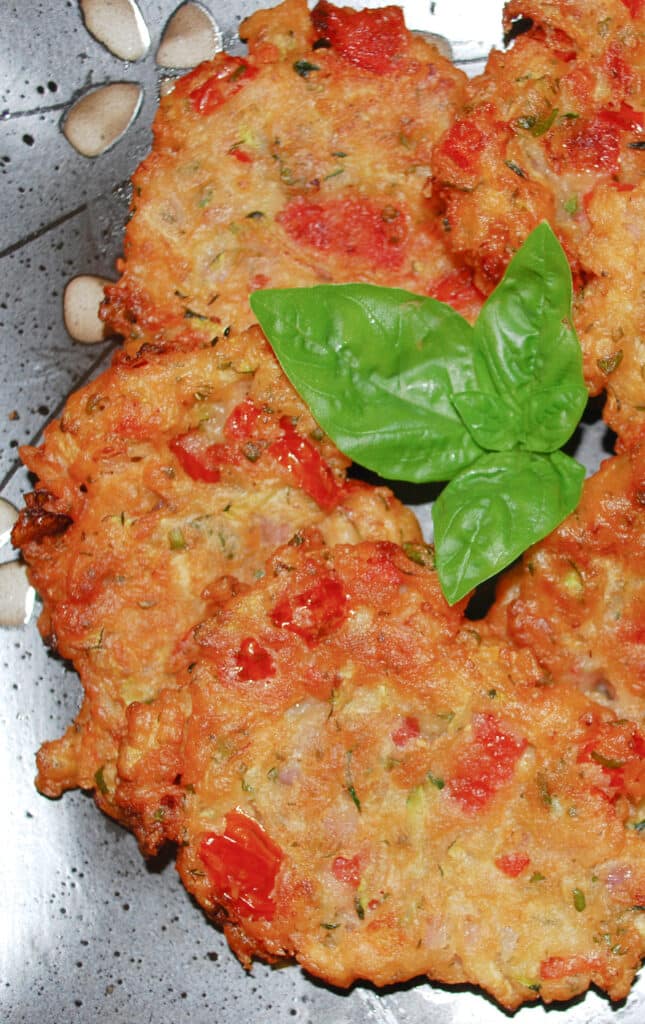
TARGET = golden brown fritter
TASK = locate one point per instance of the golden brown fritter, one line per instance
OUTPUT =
(304, 162)
(170, 470)
(577, 598)
(555, 129)
(357, 779)
(610, 309)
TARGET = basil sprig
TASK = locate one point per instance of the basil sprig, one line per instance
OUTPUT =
(405, 386)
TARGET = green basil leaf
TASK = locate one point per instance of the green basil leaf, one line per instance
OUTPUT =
(498, 424)
(526, 342)
(493, 510)
(549, 413)
(377, 367)
(494, 422)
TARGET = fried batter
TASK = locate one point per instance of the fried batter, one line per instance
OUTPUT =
(577, 599)
(303, 163)
(169, 471)
(554, 129)
(359, 780)
(355, 775)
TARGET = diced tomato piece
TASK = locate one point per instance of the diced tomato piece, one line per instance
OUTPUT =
(463, 145)
(557, 967)
(232, 73)
(241, 155)
(594, 143)
(253, 661)
(618, 747)
(242, 864)
(458, 290)
(624, 119)
(512, 864)
(486, 763)
(371, 40)
(375, 235)
(561, 44)
(408, 730)
(201, 461)
(347, 870)
(314, 613)
(635, 7)
(622, 74)
(243, 420)
(306, 464)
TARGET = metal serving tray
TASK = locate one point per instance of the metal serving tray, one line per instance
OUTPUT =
(89, 931)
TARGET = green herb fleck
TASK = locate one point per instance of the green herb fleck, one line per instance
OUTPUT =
(606, 762)
(305, 67)
(516, 169)
(543, 790)
(354, 796)
(537, 126)
(99, 779)
(176, 539)
(571, 205)
(607, 364)
(420, 554)
(579, 900)
(349, 782)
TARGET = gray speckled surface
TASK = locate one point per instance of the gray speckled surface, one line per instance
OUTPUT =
(88, 931)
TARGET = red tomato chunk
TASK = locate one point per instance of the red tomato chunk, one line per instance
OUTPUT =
(200, 460)
(347, 870)
(408, 730)
(253, 661)
(304, 461)
(371, 40)
(512, 864)
(375, 235)
(314, 613)
(242, 863)
(229, 78)
(486, 763)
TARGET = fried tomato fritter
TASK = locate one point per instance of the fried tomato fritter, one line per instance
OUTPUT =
(171, 470)
(577, 598)
(358, 779)
(304, 162)
(555, 129)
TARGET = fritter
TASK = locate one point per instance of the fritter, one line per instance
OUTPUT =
(577, 598)
(554, 129)
(171, 470)
(304, 162)
(356, 778)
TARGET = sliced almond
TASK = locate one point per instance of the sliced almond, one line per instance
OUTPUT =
(100, 118)
(17, 596)
(190, 37)
(118, 25)
(83, 296)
